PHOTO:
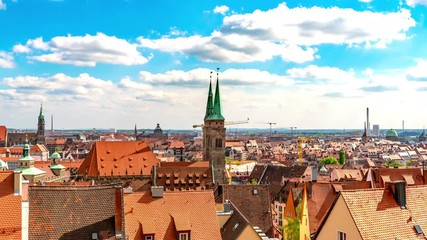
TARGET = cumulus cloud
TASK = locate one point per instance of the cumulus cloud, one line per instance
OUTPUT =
(289, 33)
(85, 50)
(221, 9)
(6, 60)
(313, 72)
(199, 77)
(365, 1)
(2, 5)
(317, 25)
(230, 48)
(418, 72)
(412, 3)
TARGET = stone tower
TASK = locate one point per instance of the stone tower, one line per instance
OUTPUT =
(214, 135)
(40, 127)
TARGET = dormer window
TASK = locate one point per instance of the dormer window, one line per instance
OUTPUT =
(149, 237)
(183, 236)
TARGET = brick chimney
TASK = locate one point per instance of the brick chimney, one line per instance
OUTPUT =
(398, 189)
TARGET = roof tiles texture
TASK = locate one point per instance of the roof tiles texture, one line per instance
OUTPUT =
(184, 178)
(3, 132)
(10, 208)
(397, 174)
(194, 211)
(73, 212)
(253, 201)
(107, 159)
(378, 216)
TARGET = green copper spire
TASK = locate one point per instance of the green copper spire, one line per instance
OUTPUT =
(209, 105)
(26, 149)
(41, 117)
(217, 102)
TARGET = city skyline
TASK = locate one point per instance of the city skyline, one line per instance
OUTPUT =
(314, 65)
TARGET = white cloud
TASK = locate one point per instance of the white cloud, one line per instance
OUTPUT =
(418, 72)
(199, 77)
(230, 48)
(2, 5)
(316, 25)
(313, 72)
(85, 50)
(288, 33)
(221, 9)
(19, 48)
(412, 3)
(365, 1)
(6, 60)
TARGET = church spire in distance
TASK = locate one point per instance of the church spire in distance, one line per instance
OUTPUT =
(209, 104)
(217, 115)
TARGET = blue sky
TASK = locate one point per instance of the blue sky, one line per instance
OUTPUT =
(111, 64)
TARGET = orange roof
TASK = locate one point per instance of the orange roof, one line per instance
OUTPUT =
(118, 159)
(39, 148)
(378, 216)
(193, 211)
(12, 150)
(10, 208)
(3, 132)
(177, 144)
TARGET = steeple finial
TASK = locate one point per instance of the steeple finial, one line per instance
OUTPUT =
(41, 117)
(209, 104)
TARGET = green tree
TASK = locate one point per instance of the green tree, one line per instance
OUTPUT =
(395, 164)
(254, 181)
(341, 160)
(57, 149)
(292, 228)
(329, 160)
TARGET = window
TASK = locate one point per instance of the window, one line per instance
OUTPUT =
(183, 236)
(218, 142)
(150, 237)
(342, 236)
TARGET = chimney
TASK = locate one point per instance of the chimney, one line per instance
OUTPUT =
(314, 173)
(17, 183)
(227, 206)
(399, 192)
(157, 191)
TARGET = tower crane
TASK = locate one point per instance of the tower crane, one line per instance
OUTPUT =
(270, 123)
(226, 123)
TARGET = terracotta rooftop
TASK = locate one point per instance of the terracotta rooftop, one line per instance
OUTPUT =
(186, 178)
(74, 212)
(378, 216)
(235, 225)
(176, 144)
(270, 173)
(107, 159)
(3, 132)
(412, 176)
(193, 211)
(38, 148)
(10, 208)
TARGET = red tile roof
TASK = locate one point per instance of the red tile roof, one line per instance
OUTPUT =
(413, 176)
(378, 216)
(10, 208)
(118, 159)
(3, 132)
(176, 144)
(38, 148)
(74, 212)
(194, 211)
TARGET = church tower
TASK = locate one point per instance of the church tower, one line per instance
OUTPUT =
(40, 127)
(214, 134)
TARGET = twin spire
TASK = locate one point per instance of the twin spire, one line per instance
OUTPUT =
(213, 106)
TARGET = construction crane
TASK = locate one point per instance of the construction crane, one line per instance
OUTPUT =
(226, 123)
(300, 141)
(270, 123)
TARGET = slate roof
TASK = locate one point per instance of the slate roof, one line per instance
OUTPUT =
(107, 159)
(74, 212)
(194, 211)
(10, 208)
(378, 216)
(253, 201)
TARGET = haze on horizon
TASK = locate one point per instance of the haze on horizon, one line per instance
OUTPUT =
(314, 65)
